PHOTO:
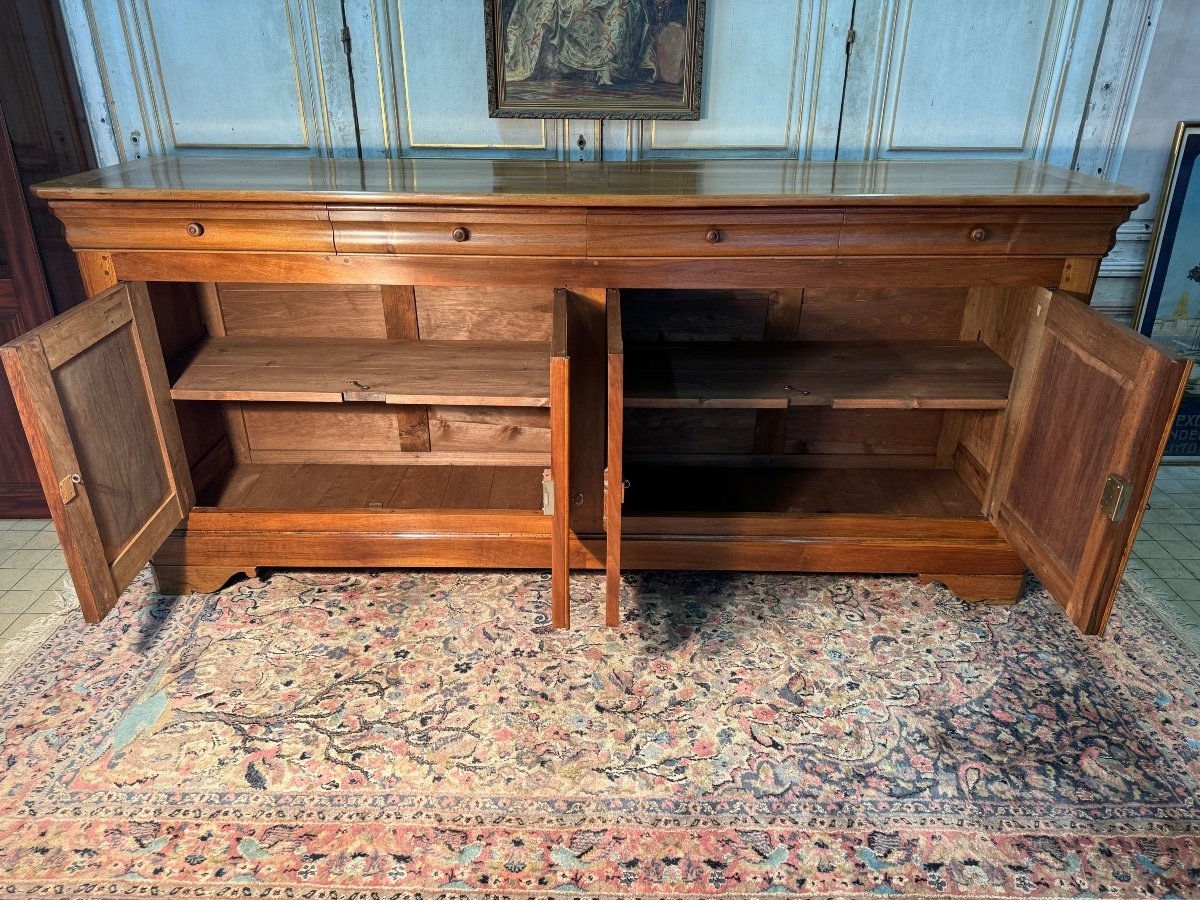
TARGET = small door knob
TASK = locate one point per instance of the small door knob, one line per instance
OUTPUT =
(979, 235)
(713, 236)
(460, 234)
(195, 229)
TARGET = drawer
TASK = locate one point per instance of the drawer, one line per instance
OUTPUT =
(699, 233)
(517, 231)
(962, 232)
(195, 226)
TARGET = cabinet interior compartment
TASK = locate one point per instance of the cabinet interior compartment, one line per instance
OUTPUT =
(808, 402)
(360, 397)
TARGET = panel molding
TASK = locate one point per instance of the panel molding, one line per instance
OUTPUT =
(904, 23)
(1128, 36)
(118, 47)
(875, 89)
(807, 123)
(387, 67)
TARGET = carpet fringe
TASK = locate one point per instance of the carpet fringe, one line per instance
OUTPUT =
(17, 648)
(1170, 612)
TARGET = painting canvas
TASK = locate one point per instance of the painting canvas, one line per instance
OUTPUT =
(1170, 307)
(594, 59)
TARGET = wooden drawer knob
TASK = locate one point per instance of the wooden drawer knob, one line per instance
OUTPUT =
(713, 236)
(195, 229)
(460, 234)
(979, 235)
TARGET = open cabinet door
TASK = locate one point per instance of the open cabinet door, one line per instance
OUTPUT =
(556, 486)
(94, 398)
(614, 474)
(1091, 407)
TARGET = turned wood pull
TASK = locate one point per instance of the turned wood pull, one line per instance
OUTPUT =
(460, 234)
(979, 235)
(713, 236)
(195, 229)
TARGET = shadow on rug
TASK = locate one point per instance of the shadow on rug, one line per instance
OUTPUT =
(427, 734)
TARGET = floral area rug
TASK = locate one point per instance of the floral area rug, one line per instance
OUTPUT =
(427, 734)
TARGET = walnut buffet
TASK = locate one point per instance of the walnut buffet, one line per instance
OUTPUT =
(806, 367)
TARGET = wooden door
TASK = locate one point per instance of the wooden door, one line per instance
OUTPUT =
(557, 490)
(1091, 407)
(614, 472)
(94, 398)
(24, 302)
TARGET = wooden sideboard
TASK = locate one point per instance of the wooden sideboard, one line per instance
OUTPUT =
(808, 367)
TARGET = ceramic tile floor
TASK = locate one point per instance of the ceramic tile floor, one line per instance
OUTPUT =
(31, 569)
(1166, 554)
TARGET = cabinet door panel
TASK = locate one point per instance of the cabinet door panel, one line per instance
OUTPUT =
(1092, 399)
(560, 455)
(93, 395)
(614, 473)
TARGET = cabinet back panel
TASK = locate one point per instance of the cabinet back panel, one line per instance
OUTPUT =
(483, 313)
(317, 427)
(825, 314)
(484, 430)
(276, 432)
(811, 436)
(867, 433)
(694, 315)
(302, 310)
(842, 314)
(687, 431)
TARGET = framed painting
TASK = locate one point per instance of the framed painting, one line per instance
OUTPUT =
(1169, 309)
(594, 59)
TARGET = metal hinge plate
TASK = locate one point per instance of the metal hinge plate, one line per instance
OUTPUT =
(547, 493)
(1114, 502)
(67, 487)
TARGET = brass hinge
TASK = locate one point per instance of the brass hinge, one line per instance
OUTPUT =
(547, 493)
(1114, 502)
(66, 487)
(851, 36)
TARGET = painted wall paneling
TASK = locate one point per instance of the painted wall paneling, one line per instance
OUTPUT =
(773, 73)
(1053, 80)
(970, 78)
(221, 77)
(421, 88)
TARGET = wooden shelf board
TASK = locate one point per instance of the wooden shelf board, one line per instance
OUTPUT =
(837, 374)
(720, 491)
(323, 370)
(310, 486)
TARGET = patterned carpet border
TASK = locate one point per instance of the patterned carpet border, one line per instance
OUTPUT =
(422, 734)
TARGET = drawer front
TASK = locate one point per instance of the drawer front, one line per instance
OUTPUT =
(979, 232)
(195, 226)
(517, 231)
(714, 233)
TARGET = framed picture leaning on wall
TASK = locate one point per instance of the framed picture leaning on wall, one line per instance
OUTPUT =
(594, 59)
(1169, 309)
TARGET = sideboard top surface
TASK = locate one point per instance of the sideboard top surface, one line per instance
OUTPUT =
(665, 183)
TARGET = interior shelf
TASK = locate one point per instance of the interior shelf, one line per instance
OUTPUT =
(668, 490)
(838, 374)
(326, 486)
(333, 370)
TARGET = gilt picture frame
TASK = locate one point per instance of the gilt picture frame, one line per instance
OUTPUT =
(594, 59)
(1168, 310)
